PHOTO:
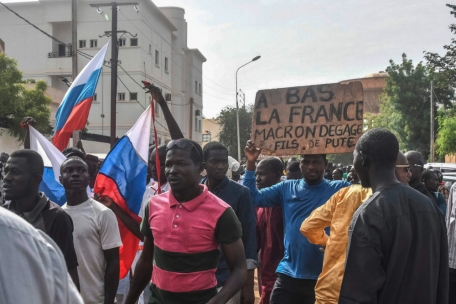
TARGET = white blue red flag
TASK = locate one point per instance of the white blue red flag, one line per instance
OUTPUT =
(52, 159)
(123, 176)
(74, 110)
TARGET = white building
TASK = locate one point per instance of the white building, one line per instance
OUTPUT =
(158, 53)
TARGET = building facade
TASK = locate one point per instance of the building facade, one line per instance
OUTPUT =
(152, 48)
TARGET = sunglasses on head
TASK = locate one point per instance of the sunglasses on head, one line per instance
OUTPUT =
(184, 145)
(406, 167)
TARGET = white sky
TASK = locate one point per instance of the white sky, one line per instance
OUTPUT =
(304, 42)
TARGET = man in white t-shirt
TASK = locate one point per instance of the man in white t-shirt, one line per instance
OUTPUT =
(96, 235)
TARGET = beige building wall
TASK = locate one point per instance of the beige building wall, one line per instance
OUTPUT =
(212, 127)
(372, 86)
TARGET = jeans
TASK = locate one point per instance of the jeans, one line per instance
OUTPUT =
(288, 290)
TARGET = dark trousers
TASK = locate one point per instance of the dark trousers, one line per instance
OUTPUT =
(288, 290)
(452, 297)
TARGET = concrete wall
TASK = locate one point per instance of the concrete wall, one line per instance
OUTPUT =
(164, 30)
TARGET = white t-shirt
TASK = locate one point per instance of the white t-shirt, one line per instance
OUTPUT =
(95, 229)
(33, 269)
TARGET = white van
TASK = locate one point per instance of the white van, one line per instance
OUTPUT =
(442, 167)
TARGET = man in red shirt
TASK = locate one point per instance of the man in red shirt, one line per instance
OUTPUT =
(269, 229)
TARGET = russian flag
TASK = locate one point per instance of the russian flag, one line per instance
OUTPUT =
(122, 177)
(73, 111)
(52, 158)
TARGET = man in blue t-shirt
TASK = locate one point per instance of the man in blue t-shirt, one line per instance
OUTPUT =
(301, 265)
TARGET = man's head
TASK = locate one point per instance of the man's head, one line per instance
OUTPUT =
(313, 168)
(23, 173)
(416, 161)
(94, 166)
(74, 174)
(330, 168)
(337, 174)
(431, 180)
(268, 172)
(73, 151)
(184, 164)
(3, 157)
(403, 173)
(354, 176)
(375, 152)
(293, 170)
(215, 160)
(152, 168)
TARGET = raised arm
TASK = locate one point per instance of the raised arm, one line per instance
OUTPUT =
(267, 197)
(27, 121)
(157, 95)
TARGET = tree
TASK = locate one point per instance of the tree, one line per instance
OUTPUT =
(405, 104)
(446, 140)
(444, 66)
(17, 102)
(228, 135)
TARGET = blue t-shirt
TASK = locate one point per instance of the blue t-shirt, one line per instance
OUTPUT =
(302, 260)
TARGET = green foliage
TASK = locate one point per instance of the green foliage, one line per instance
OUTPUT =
(444, 69)
(405, 104)
(228, 134)
(17, 102)
(446, 140)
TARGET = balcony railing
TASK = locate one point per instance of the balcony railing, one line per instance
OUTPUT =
(60, 54)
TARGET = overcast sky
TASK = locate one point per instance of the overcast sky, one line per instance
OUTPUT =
(304, 42)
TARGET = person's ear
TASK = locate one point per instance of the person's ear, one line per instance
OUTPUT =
(36, 179)
(366, 160)
(60, 179)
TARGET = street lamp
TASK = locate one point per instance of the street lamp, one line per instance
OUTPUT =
(237, 109)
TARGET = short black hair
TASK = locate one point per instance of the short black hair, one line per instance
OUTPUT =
(73, 151)
(71, 158)
(321, 155)
(427, 174)
(275, 164)
(34, 160)
(293, 166)
(196, 153)
(380, 145)
(213, 145)
(439, 174)
(416, 157)
(340, 171)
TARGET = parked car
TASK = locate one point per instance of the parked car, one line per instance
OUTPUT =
(449, 179)
(442, 167)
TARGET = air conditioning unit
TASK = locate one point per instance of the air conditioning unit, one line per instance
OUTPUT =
(168, 97)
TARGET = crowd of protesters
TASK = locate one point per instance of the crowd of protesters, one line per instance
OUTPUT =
(380, 231)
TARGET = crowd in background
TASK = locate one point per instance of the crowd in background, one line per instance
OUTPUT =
(379, 231)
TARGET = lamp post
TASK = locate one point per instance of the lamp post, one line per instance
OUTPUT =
(237, 109)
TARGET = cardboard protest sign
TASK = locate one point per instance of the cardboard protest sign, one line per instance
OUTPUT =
(317, 119)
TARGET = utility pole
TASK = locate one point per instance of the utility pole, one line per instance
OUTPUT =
(114, 56)
(432, 121)
(74, 53)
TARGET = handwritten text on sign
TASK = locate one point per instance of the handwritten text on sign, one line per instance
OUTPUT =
(315, 119)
